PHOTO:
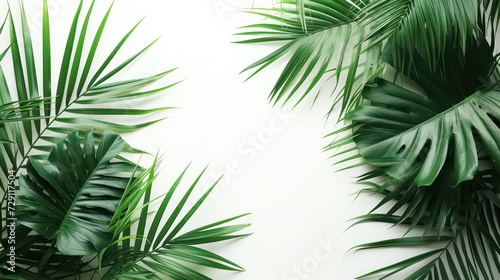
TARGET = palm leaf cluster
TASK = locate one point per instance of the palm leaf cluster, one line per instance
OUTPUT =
(322, 40)
(83, 203)
(83, 209)
(422, 110)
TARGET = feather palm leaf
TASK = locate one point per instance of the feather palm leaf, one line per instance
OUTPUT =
(82, 98)
(321, 39)
(84, 203)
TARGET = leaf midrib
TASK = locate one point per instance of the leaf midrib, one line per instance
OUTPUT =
(37, 138)
(72, 206)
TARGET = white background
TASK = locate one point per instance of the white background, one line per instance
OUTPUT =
(300, 206)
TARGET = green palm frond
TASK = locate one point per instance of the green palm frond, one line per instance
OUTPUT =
(163, 250)
(317, 34)
(422, 24)
(37, 114)
(325, 38)
(82, 202)
(467, 249)
(82, 98)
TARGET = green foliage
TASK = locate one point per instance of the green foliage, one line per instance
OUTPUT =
(321, 39)
(81, 97)
(137, 253)
(36, 114)
(459, 224)
(85, 203)
(401, 128)
(57, 193)
(430, 133)
(323, 34)
(78, 205)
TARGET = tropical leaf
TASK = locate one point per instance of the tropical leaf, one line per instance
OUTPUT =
(71, 197)
(429, 26)
(471, 250)
(82, 97)
(36, 258)
(84, 202)
(45, 113)
(324, 38)
(457, 111)
(434, 145)
(317, 34)
(163, 251)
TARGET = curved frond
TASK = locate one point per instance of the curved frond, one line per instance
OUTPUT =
(317, 34)
(82, 98)
(471, 251)
(322, 39)
(427, 25)
(163, 251)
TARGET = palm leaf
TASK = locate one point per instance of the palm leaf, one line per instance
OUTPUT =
(40, 119)
(83, 201)
(472, 251)
(422, 24)
(317, 34)
(162, 251)
(323, 38)
(82, 97)
(436, 180)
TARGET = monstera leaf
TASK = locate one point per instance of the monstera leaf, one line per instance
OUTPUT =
(405, 127)
(457, 112)
(435, 147)
(72, 196)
